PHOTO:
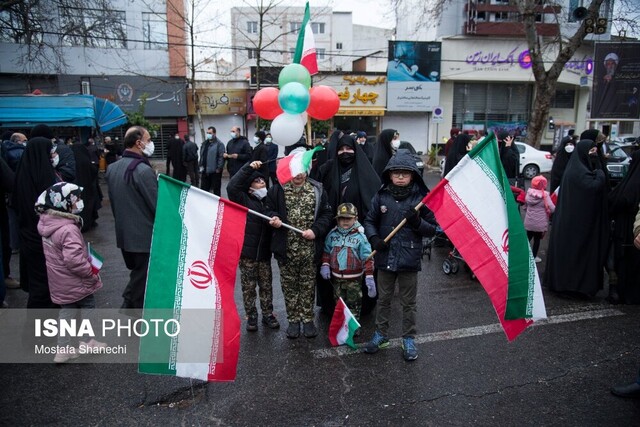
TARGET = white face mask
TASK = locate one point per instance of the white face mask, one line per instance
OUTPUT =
(209, 136)
(55, 161)
(395, 144)
(233, 135)
(268, 140)
(148, 149)
(79, 207)
(256, 140)
(260, 193)
(176, 137)
(569, 148)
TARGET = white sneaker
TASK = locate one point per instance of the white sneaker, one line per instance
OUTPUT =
(64, 354)
(93, 344)
(538, 259)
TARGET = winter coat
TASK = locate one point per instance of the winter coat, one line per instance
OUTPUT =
(323, 215)
(68, 267)
(536, 217)
(257, 232)
(242, 148)
(405, 248)
(261, 153)
(212, 156)
(346, 252)
(12, 153)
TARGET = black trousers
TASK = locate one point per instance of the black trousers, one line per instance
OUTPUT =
(212, 181)
(138, 263)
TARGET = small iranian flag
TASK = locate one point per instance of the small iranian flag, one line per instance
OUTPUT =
(95, 259)
(475, 207)
(195, 249)
(306, 46)
(343, 326)
(297, 162)
(554, 195)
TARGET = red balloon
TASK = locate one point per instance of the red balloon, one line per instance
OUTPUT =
(324, 102)
(265, 103)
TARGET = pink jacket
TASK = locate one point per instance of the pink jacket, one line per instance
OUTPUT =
(68, 267)
(537, 216)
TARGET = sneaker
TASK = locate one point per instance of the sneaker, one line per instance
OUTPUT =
(271, 321)
(538, 259)
(309, 329)
(92, 344)
(252, 323)
(293, 331)
(377, 342)
(64, 354)
(409, 350)
(11, 283)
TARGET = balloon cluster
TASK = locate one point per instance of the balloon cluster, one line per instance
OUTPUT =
(290, 106)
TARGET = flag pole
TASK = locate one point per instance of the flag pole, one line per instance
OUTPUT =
(395, 230)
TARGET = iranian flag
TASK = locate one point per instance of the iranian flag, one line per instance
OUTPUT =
(306, 46)
(343, 326)
(95, 259)
(195, 249)
(475, 207)
(297, 162)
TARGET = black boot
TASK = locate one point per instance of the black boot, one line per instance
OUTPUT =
(613, 297)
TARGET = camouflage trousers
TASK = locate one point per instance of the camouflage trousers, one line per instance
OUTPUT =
(351, 292)
(297, 277)
(252, 274)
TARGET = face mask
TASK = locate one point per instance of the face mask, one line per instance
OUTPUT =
(79, 207)
(346, 158)
(148, 149)
(569, 148)
(395, 144)
(176, 137)
(260, 193)
(209, 136)
(233, 135)
(256, 140)
(55, 161)
(268, 140)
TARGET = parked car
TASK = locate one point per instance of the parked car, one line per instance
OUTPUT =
(617, 164)
(629, 148)
(532, 161)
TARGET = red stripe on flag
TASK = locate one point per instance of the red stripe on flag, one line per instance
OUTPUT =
(230, 229)
(337, 322)
(476, 253)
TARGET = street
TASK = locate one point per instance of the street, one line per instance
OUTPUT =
(557, 373)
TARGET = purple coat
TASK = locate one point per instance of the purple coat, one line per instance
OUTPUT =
(68, 267)
(536, 217)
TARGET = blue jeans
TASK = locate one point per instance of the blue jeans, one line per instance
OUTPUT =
(70, 311)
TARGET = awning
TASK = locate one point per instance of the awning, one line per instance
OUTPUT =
(60, 110)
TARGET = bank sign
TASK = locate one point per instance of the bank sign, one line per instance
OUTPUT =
(413, 76)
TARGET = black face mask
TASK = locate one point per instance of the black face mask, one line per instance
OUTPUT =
(346, 158)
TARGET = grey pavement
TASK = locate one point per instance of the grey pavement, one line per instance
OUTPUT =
(557, 373)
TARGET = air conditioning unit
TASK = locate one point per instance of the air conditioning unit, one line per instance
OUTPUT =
(86, 88)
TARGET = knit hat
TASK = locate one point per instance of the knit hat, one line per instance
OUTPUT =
(60, 197)
(347, 210)
(42, 130)
(539, 182)
(361, 134)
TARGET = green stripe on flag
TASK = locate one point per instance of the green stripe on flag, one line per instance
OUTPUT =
(297, 57)
(165, 272)
(521, 268)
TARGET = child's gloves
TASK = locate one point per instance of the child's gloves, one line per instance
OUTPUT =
(371, 286)
(378, 244)
(325, 271)
(413, 218)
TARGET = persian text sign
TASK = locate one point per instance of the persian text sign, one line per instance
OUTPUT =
(218, 101)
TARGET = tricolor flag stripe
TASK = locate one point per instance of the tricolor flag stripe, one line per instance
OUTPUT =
(306, 46)
(481, 218)
(96, 260)
(343, 326)
(295, 163)
(192, 230)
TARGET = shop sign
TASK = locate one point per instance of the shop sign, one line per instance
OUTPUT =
(216, 102)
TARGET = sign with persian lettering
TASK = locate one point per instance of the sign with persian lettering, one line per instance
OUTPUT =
(413, 74)
(360, 94)
(218, 101)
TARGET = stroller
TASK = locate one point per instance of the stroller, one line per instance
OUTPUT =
(428, 243)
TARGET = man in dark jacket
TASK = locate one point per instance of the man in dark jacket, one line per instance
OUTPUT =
(175, 158)
(301, 203)
(238, 151)
(212, 162)
(399, 258)
(190, 160)
(249, 188)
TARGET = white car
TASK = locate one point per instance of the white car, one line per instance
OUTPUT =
(533, 162)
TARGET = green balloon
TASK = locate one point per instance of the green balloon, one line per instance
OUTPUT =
(294, 73)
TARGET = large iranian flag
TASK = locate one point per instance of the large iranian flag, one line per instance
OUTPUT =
(306, 46)
(475, 207)
(197, 239)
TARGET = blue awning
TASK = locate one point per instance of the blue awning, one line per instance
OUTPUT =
(60, 110)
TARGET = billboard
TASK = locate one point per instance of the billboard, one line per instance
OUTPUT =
(413, 76)
(616, 81)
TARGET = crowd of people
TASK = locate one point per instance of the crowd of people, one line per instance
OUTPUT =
(343, 207)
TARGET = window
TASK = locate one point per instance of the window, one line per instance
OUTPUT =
(502, 16)
(14, 30)
(338, 46)
(564, 98)
(320, 53)
(317, 27)
(295, 26)
(93, 27)
(252, 27)
(252, 53)
(154, 30)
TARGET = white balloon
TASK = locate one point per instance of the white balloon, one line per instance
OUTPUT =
(304, 117)
(286, 129)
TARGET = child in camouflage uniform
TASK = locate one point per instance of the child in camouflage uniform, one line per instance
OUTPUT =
(344, 260)
(301, 203)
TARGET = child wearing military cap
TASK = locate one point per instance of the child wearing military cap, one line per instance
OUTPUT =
(346, 259)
